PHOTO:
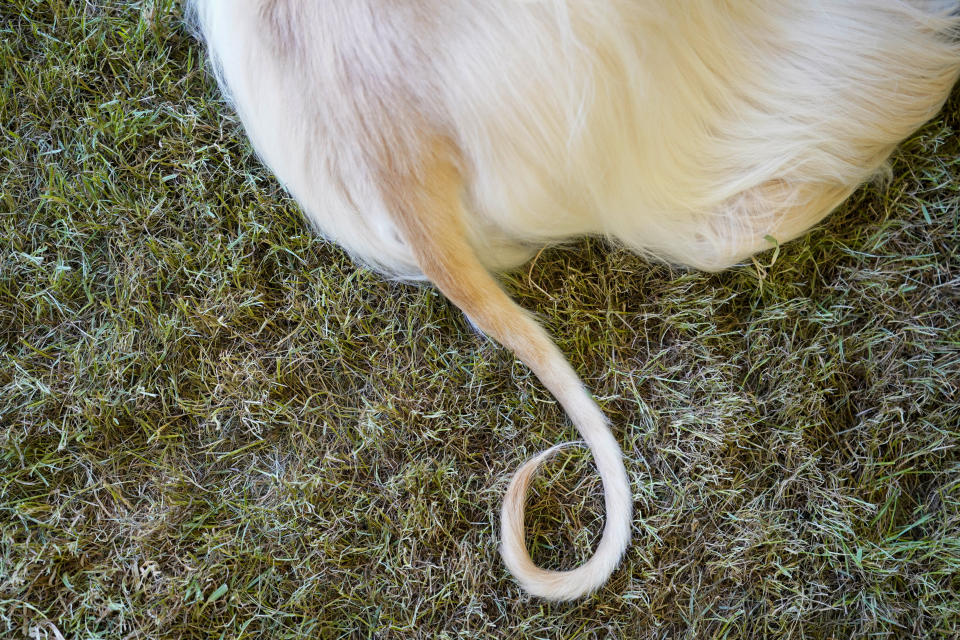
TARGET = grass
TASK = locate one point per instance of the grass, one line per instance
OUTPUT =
(214, 425)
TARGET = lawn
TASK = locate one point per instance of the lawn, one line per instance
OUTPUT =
(214, 424)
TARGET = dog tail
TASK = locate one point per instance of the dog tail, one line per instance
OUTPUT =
(428, 210)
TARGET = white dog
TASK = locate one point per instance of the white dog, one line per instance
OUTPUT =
(448, 138)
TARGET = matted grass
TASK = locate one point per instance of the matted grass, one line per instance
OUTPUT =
(215, 425)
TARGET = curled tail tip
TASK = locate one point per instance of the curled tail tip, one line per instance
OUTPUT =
(561, 586)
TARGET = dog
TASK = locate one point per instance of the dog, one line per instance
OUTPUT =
(449, 139)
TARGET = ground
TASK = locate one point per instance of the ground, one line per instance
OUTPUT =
(213, 424)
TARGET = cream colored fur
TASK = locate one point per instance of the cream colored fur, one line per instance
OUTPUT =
(447, 138)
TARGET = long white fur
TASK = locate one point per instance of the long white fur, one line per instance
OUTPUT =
(693, 131)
